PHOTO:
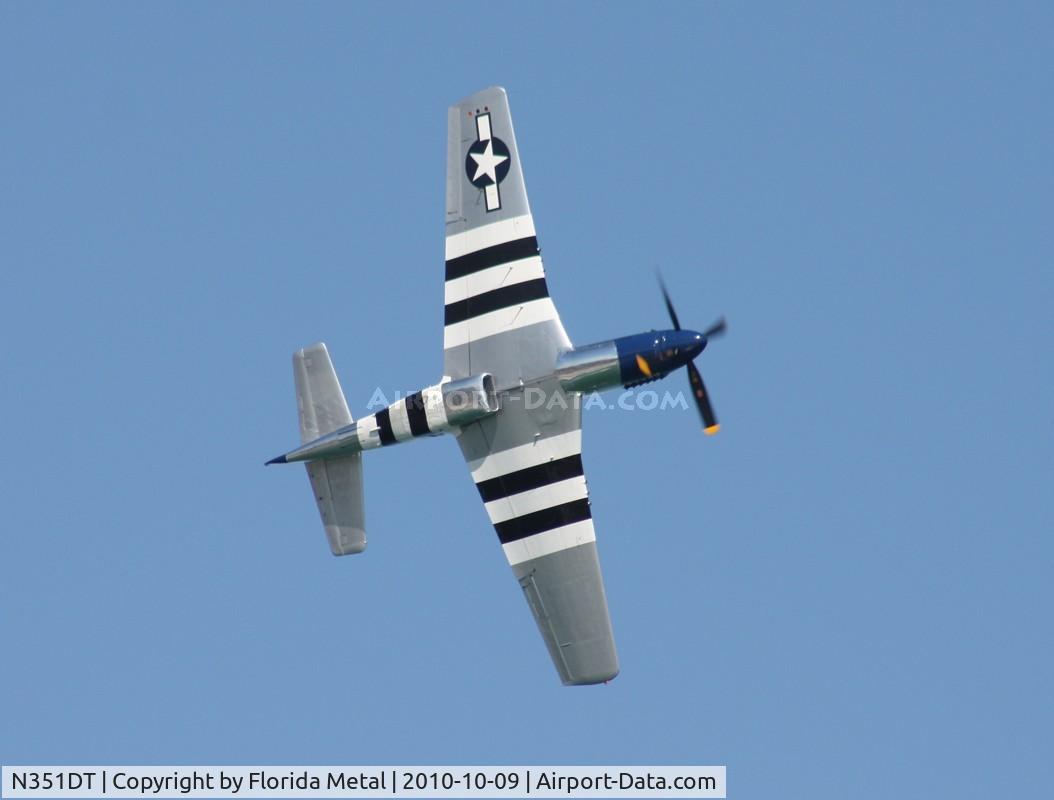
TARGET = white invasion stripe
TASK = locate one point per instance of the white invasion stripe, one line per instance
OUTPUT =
(526, 455)
(536, 499)
(500, 321)
(368, 432)
(506, 230)
(483, 127)
(499, 510)
(548, 542)
(525, 269)
(435, 411)
(400, 420)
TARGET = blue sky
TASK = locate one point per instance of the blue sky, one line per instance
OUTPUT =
(845, 593)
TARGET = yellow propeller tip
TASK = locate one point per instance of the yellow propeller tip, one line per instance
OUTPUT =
(711, 430)
(643, 366)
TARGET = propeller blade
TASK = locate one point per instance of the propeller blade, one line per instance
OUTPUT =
(717, 329)
(669, 305)
(702, 400)
(643, 365)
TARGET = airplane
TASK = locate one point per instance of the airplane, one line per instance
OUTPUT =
(503, 344)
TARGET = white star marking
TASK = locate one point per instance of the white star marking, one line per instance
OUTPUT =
(487, 162)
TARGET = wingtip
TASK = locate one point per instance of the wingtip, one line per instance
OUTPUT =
(279, 460)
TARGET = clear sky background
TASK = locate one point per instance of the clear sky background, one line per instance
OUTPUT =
(847, 593)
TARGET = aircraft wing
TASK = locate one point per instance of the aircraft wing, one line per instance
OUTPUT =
(525, 460)
(498, 317)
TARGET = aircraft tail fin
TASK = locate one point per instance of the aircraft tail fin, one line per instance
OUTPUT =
(337, 482)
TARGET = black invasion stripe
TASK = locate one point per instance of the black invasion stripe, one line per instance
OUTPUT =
(513, 530)
(415, 411)
(530, 478)
(384, 423)
(493, 300)
(491, 256)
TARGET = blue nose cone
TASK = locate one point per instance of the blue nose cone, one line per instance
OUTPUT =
(695, 343)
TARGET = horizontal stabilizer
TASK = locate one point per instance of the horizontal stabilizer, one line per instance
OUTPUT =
(320, 402)
(338, 491)
(337, 482)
